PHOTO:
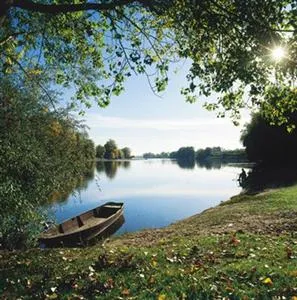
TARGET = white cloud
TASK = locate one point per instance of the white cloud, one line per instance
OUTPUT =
(156, 135)
(99, 121)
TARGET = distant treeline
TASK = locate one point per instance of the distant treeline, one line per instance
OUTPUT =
(156, 155)
(214, 153)
(217, 153)
(111, 151)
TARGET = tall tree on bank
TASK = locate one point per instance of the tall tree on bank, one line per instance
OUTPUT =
(43, 156)
(268, 144)
(94, 47)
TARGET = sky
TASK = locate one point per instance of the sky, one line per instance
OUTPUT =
(140, 120)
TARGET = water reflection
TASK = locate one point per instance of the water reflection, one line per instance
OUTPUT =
(211, 164)
(158, 192)
(155, 192)
(126, 164)
(259, 178)
(78, 184)
(110, 168)
(186, 163)
(114, 228)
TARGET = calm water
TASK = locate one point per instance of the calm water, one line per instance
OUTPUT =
(155, 192)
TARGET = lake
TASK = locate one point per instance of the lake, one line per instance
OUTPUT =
(155, 192)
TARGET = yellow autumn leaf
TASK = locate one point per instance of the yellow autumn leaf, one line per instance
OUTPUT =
(267, 281)
(154, 263)
(34, 72)
(162, 297)
(294, 298)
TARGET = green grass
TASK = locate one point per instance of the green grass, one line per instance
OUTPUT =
(223, 253)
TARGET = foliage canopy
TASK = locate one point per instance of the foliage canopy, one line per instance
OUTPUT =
(231, 45)
(89, 48)
(93, 47)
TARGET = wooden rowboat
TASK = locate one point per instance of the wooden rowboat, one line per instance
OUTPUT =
(80, 229)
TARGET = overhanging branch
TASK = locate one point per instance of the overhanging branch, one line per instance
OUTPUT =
(67, 8)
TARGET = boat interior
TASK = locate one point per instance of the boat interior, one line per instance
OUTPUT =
(88, 218)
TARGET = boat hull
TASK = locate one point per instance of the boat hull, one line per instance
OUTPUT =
(83, 236)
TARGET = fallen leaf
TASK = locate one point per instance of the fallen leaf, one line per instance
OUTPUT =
(162, 297)
(154, 263)
(267, 281)
(109, 283)
(152, 280)
(234, 241)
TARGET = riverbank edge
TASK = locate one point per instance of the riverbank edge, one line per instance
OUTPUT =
(244, 248)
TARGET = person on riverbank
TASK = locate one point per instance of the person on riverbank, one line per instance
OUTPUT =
(242, 178)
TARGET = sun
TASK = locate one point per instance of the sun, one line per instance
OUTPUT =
(278, 53)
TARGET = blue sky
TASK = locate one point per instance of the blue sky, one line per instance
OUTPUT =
(146, 123)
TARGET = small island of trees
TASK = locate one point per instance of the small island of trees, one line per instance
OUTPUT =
(110, 150)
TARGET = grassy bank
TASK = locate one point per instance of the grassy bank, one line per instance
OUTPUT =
(245, 248)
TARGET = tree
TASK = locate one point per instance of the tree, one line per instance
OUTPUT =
(92, 47)
(100, 151)
(43, 155)
(97, 45)
(269, 144)
(231, 45)
(148, 155)
(186, 153)
(120, 154)
(126, 152)
(110, 150)
(203, 154)
(164, 155)
(88, 148)
(172, 155)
